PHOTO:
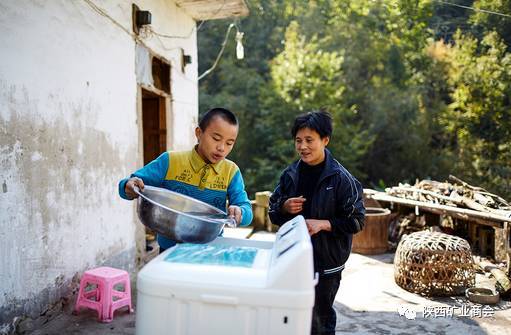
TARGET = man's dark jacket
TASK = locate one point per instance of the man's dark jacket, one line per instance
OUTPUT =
(337, 198)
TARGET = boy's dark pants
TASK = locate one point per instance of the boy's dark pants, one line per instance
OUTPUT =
(323, 313)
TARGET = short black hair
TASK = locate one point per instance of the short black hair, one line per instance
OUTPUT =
(320, 121)
(224, 113)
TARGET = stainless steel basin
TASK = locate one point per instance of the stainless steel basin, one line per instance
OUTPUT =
(179, 217)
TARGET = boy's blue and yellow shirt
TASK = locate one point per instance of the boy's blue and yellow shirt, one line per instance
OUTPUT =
(187, 173)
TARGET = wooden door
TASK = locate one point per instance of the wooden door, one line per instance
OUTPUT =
(154, 125)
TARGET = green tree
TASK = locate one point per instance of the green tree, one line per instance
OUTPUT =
(485, 21)
(308, 78)
(479, 117)
(410, 97)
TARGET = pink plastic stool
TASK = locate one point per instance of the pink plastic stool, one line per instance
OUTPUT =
(98, 292)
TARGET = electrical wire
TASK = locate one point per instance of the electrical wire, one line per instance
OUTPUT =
(105, 14)
(224, 43)
(150, 31)
(472, 8)
(177, 36)
(147, 32)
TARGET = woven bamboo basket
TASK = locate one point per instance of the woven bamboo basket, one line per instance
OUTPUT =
(434, 264)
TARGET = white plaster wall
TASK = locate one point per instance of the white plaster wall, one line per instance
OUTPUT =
(168, 19)
(69, 133)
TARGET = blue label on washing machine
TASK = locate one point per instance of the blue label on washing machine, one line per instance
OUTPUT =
(223, 255)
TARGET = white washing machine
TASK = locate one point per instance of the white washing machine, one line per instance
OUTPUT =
(230, 286)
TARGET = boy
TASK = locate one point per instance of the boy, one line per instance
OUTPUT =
(318, 187)
(202, 173)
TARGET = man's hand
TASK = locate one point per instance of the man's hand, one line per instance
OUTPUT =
(130, 187)
(293, 205)
(315, 226)
(235, 212)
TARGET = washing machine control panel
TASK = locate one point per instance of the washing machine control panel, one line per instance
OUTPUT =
(290, 235)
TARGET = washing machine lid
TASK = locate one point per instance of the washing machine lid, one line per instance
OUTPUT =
(213, 254)
(223, 262)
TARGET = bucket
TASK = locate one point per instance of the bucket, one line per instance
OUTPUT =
(373, 238)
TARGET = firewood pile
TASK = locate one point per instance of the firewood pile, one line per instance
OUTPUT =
(455, 193)
(497, 271)
(405, 224)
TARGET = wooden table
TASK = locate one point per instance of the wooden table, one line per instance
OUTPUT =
(500, 224)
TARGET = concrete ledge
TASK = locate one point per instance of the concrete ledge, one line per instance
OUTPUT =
(263, 236)
(241, 232)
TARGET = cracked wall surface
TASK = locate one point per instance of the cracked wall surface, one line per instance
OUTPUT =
(69, 131)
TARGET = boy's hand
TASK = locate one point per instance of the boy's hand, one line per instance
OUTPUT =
(130, 187)
(235, 211)
(293, 205)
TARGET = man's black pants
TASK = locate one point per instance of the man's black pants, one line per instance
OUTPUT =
(323, 313)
